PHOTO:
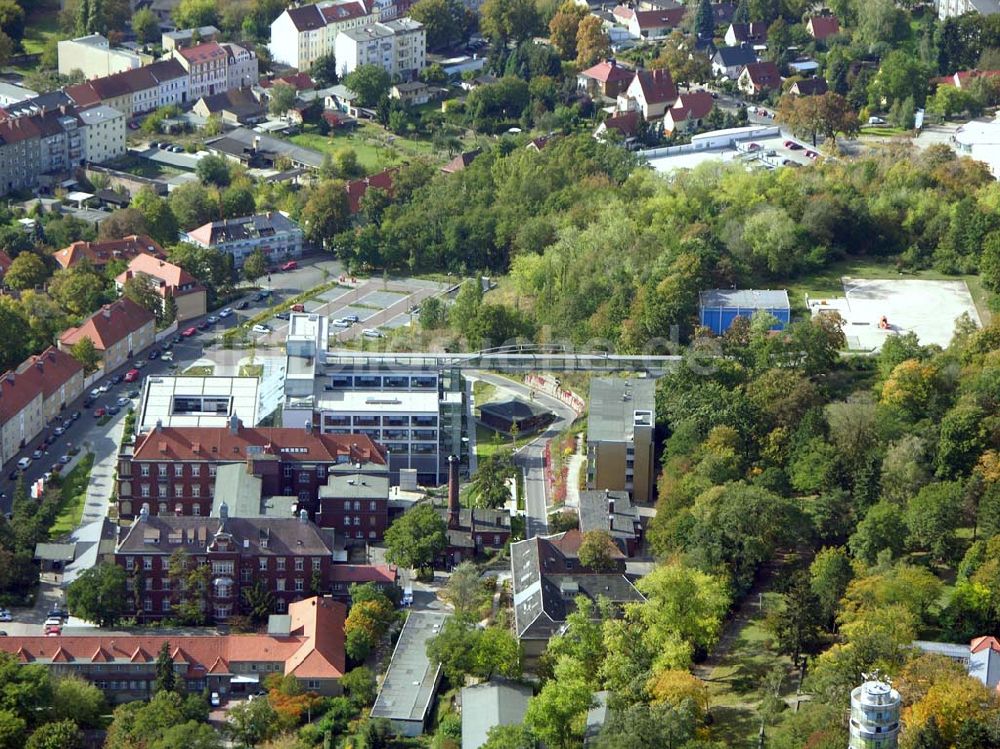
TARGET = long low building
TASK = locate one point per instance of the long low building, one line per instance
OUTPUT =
(307, 643)
(273, 233)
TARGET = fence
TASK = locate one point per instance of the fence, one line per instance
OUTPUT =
(550, 386)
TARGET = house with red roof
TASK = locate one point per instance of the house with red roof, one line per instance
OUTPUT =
(822, 27)
(99, 254)
(758, 78)
(624, 124)
(984, 661)
(357, 188)
(461, 161)
(688, 112)
(58, 375)
(5, 262)
(963, 78)
(118, 330)
(171, 282)
(22, 416)
(655, 24)
(343, 576)
(205, 65)
(606, 78)
(650, 93)
(307, 643)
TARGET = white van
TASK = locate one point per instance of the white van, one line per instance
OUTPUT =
(260, 329)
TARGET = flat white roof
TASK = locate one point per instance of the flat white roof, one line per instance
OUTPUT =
(378, 401)
(233, 395)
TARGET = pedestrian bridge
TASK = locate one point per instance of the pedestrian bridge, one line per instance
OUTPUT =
(516, 359)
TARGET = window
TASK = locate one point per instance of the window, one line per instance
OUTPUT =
(288, 472)
(162, 508)
(223, 568)
(144, 490)
(178, 470)
(195, 491)
(165, 606)
(371, 534)
(212, 470)
(299, 585)
(163, 469)
(129, 585)
(147, 563)
(149, 583)
(496, 539)
(129, 562)
(281, 564)
(303, 477)
(262, 564)
(357, 505)
(357, 520)
(147, 604)
(165, 583)
(317, 563)
(372, 506)
(195, 470)
(196, 509)
(372, 520)
(280, 605)
(144, 469)
(347, 504)
(280, 584)
(246, 574)
(299, 564)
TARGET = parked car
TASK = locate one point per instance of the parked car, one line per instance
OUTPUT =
(260, 329)
(117, 379)
(154, 144)
(203, 325)
(212, 319)
(351, 318)
(372, 333)
(58, 613)
(5, 616)
(112, 409)
(188, 332)
(167, 345)
(132, 375)
(216, 701)
(75, 416)
(167, 356)
(67, 424)
(298, 308)
(53, 621)
(99, 412)
(153, 354)
(225, 312)
(139, 364)
(133, 393)
(283, 315)
(876, 121)
(53, 629)
(811, 154)
(243, 305)
(290, 265)
(23, 464)
(64, 459)
(105, 387)
(123, 401)
(37, 454)
(58, 431)
(792, 145)
(342, 323)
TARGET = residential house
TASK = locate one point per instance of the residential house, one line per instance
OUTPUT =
(303, 33)
(955, 8)
(22, 413)
(655, 24)
(759, 77)
(494, 703)
(688, 112)
(620, 440)
(607, 78)
(59, 377)
(171, 40)
(411, 92)
(242, 70)
(20, 154)
(299, 81)
(119, 331)
(93, 56)
(728, 62)
(254, 149)
(174, 468)
(984, 661)
(650, 93)
(104, 133)
(307, 643)
(822, 28)
(809, 87)
(613, 513)
(462, 161)
(624, 124)
(171, 282)
(963, 78)
(357, 188)
(547, 578)
(399, 47)
(99, 254)
(237, 107)
(753, 33)
(274, 233)
(343, 576)
(205, 65)
(135, 92)
(340, 99)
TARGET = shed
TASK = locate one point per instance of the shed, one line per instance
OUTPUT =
(503, 416)
(496, 703)
(719, 307)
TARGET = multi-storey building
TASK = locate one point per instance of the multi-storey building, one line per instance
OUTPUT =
(206, 68)
(135, 92)
(290, 556)
(399, 47)
(242, 70)
(92, 55)
(171, 282)
(875, 709)
(620, 436)
(302, 34)
(118, 330)
(173, 469)
(99, 254)
(307, 643)
(104, 133)
(274, 233)
(953, 8)
(171, 40)
(20, 154)
(355, 504)
(58, 375)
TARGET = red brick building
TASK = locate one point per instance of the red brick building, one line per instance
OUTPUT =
(173, 468)
(355, 504)
(291, 556)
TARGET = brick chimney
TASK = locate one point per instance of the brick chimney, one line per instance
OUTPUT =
(454, 508)
(106, 311)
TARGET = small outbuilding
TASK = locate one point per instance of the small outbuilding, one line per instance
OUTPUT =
(719, 307)
(505, 416)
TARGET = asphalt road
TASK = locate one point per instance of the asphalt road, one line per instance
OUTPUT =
(529, 457)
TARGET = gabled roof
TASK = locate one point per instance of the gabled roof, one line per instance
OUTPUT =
(822, 27)
(343, 12)
(306, 18)
(238, 101)
(656, 85)
(299, 81)
(357, 188)
(51, 369)
(693, 105)
(732, 56)
(755, 31)
(985, 643)
(810, 87)
(202, 53)
(461, 161)
(607, 71)
(100, 253)
(626, 123)
(15, 393)
(660, 19)
(363, 573)
(110, 324)
(170, 278)
(763, 75)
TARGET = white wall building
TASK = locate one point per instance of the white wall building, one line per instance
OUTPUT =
(300, 35)
(206, 68)
(398, 47)
(241, 66)
(92, 55)
(104, 133)
(952, 8)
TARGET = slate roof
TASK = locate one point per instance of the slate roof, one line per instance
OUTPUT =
(596, 515)
(732, 56)
(243, 228)
(660, 19)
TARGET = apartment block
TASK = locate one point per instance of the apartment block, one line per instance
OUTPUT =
(302, 34)
(135, 92)
(274, 233)
(93, 56)
(620, 442)
(206, 68)
(954, 8)
(104, 133)
(242, 70)
(119, 331)
(399, 47)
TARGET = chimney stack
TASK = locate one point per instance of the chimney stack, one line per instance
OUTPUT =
(611, 502)
(454, 508)
(223, 511)
(159, 425)
(234, 424)
(106, 311)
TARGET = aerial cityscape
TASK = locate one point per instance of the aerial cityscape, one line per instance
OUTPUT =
(499, 374)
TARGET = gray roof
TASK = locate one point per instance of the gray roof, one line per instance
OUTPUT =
(597, 716)
(411, 680)
(614, 402)
(514, 408)
(241, 493)
(733, 56)
(595, 514)
(495, 703)
(745, 298)
(55, 552)
(986, 7)
(356, 486)
(100, 113)
(237, 141)
(948, 649)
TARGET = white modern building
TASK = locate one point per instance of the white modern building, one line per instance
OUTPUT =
(302, 34)
(273, 233)
(198, 402)
(952, 8)
(93, 56)
(104, 133)
(399, 47)
(874, 716)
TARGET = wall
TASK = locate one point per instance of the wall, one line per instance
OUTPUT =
(548, 385)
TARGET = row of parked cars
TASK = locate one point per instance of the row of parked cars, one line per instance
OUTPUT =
(165, 146)
(48, 441)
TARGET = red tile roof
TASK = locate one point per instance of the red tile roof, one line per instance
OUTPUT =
(202, 53)
(657, 86)
(984, 643)
(170, 277)
(357, 188)
(17, 130)
(100, 253)
(694, 105)
(51, 369)
(823, 26)
(16, 392)
(343, 12)
(626, 123)
(763, 75)
(363, 573)
(607, 71)
(222, 444)
(810, 87)
(299, 81)
(461, 161)
(963, 77)
(660, 19)
(110, 324)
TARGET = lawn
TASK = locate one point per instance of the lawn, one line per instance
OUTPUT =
(40, 27)
(826, 282)
(885, 131)
(141, 167)
(204, 370)
(482, 391)
(74, 497)
(376, 149)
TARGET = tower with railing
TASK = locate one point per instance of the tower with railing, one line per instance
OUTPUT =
(874, 714)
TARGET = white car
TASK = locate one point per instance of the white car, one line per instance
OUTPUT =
(226, 312)
(53, 621)
(123, 401)
(167, 356)
(216, 701)
(212, 319)
(342, 323)
(105, 387)
(372, 333)
(96, 393)
(23, 463)
(5, 616)
(260, 329)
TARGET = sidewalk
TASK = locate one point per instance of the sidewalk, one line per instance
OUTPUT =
(101, 486)
(576, 463)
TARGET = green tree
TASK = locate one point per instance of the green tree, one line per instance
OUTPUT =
(432, 313)
(489, 483)
(255, 266)
(830, 573)
(556, 714)
(98, 594)
(145, 25)
(78, 290)
(281, 98)
(464, 590)
(881, 529)
(359, 684)
(512, 736)
(250, 723)
(166, 679)
(324, 70)
(704, 20)
(237, 200)
(213, 170)
(158, 214)
(509, 20)
(797, 624)
(640, 726)
(12, 340)
(193, 14)
(446, 22)
(85, 352)
(76, 699)
(190, 735)
(497, 653)
(143, 290)
(598, 551)
(62, 734)
(901, 76)
(416, 538)
(326, 212)
(26, 272)
(122, 223)
(193, 205)
(453, 648)
(933, 516)
(370, 83)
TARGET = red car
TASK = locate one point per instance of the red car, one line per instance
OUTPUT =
(99, 412)
(132, 375)
(791, 145)
(290, 265)
(188, 332)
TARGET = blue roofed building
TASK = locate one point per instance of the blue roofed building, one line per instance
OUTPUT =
(719, 307)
